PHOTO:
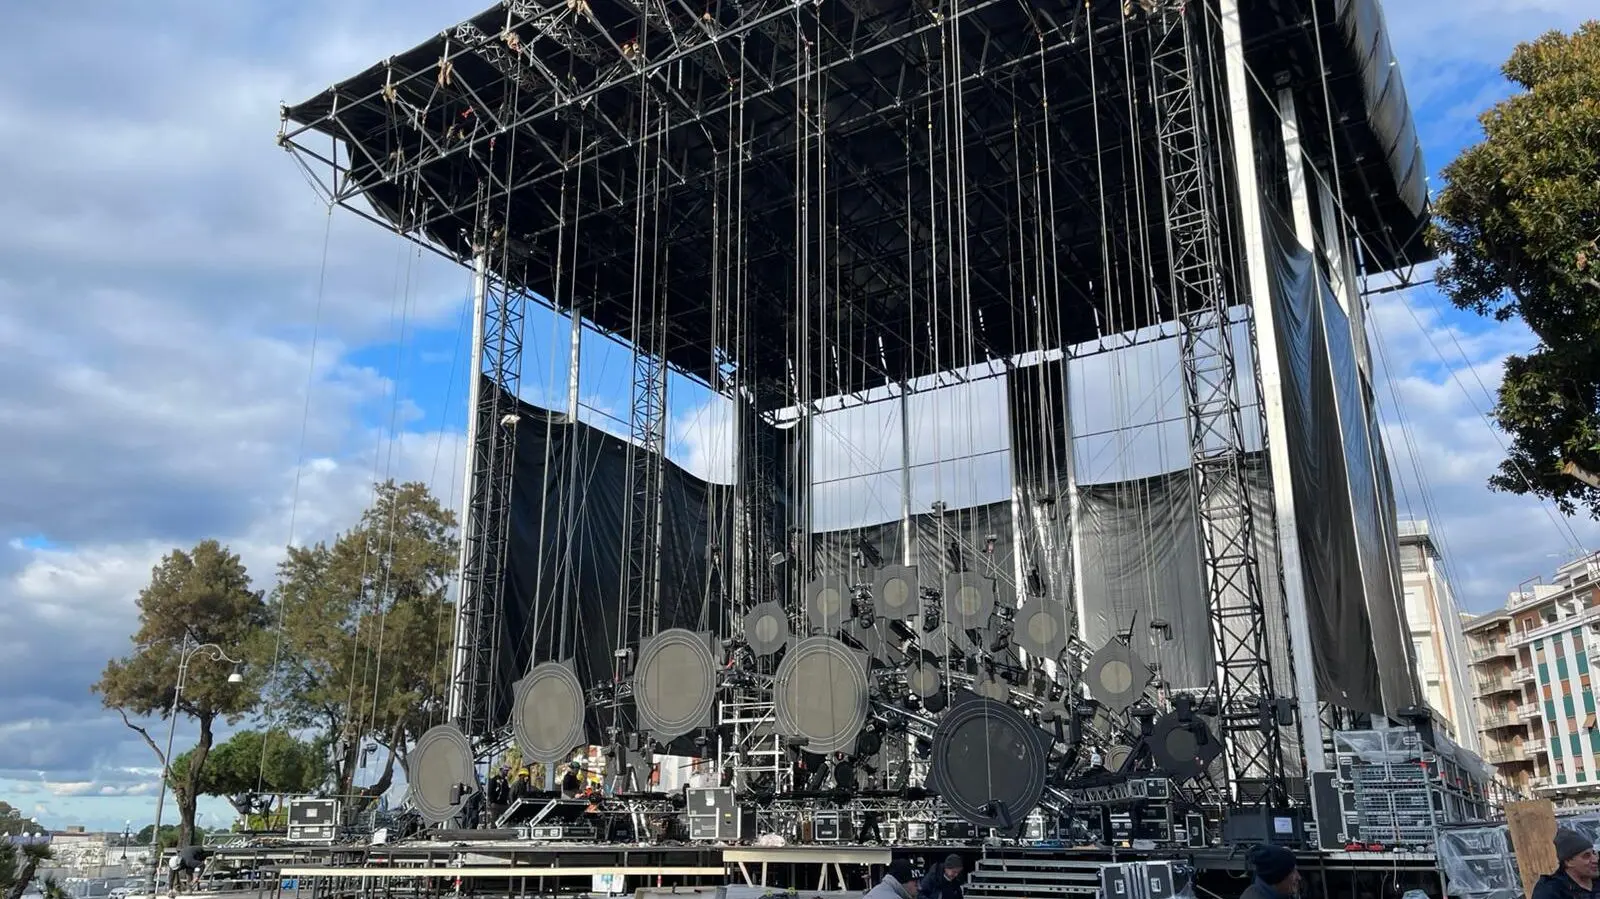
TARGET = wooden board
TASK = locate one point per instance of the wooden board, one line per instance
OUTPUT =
(1533, 834)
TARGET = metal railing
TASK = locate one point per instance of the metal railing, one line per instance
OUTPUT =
(1499, 719)
(1495, 683)
(1502, 755)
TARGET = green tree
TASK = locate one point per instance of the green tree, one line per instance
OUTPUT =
(19, 864)
(197, 597)
(169, 835)
(272, 762)
(367, 627)
(1516, 226)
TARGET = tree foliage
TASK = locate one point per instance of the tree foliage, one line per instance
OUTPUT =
(202, 596)
(367, 629)
(251, 761)
(1518, 228)
(19, 864)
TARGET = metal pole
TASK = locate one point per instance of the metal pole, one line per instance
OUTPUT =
(166, 763)
(907, 554)
(572, 364)
(463, 639)
(1272, 387)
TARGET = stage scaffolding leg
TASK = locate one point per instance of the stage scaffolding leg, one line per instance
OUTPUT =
(1253, 749)
(491, 441)
(908, 553)
(461, 680)
(1271, 383)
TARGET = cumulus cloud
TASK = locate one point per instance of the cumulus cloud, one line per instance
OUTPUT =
(164, 308)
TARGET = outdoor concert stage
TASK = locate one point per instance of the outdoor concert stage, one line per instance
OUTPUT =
(512, 869)
(807, 205)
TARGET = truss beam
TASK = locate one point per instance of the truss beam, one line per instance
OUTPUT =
(497, 378)
(1231, 569)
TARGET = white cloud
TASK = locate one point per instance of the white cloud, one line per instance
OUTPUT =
(1440, 377)
(161, 260)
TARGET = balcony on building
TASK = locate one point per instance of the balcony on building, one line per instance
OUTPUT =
(1496, 681)
(1488, 652)
(1534, 745)
(1508, 753)
(1500, 717)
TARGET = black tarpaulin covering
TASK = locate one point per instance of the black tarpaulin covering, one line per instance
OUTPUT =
(1342, 642)
(1388, 109)
(1141, 562)
(1372, 526)
(565, 575)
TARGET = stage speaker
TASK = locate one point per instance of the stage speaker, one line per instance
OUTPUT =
(440, 774)
(313, 820)
(988, 763)
(1183, 749)
(766, 628)
(1043, 628)
(675, 684)
(896, 593)
(828, 603)
(925, 680)
(968, 600)
(820, 694)
(1117, 676)
(547, 711)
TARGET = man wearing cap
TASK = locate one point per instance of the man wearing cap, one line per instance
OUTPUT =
(943, 882)
(899, 883)
(1277, 874)
(1578, 868)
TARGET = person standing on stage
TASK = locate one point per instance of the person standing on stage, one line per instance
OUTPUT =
(943, 882)
(1578, 868)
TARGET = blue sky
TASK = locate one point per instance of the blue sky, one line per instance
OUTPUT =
(159, 269)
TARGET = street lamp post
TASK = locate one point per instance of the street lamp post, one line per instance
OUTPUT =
(186, 654)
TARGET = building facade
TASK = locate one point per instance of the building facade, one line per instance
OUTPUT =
(1531, 665)
(1434, 621)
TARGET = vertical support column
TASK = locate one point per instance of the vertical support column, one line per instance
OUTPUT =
(574, 356)
(908, 553)
(1271, 372)
(1299, 199)
(1080, 606)
(466, 617)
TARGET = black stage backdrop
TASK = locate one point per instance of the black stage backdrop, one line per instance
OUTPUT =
(1355, 624)
(565, 574)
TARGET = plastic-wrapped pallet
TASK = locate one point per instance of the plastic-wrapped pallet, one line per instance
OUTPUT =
(1477, 862)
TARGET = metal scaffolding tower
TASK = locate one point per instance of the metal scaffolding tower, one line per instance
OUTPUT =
(491, 435)
(1248, 710)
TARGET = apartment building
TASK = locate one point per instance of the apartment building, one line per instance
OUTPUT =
(1434, 620)
(1531, 671)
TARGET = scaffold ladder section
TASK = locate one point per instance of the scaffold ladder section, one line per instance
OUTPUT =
(751, 745)
(489, 505)
(1216, 438)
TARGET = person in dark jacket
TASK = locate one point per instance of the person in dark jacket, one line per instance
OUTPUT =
(1277, 874)
(1577, 871)
(898, 883)
(943, 882)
